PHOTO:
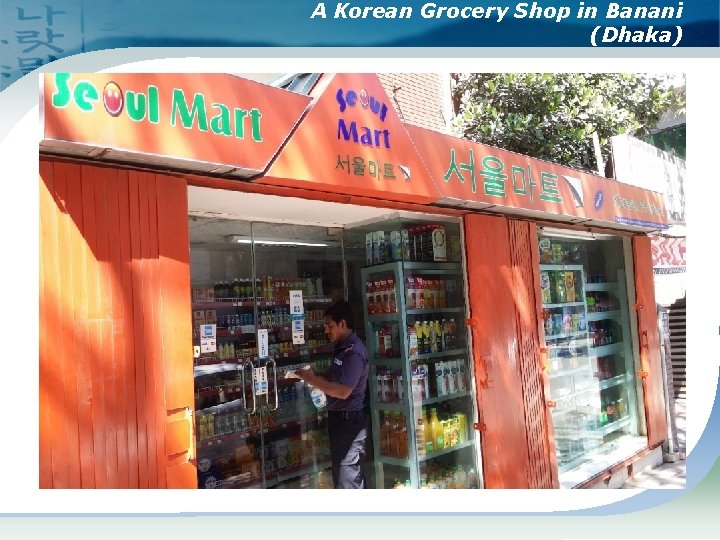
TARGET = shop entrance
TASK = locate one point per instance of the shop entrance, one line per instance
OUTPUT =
(249, 273)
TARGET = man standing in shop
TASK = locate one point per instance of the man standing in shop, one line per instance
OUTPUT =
(344, 384)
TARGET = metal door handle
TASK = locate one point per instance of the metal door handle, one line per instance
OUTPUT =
(252, 384)
(277, 402)
(242, 385)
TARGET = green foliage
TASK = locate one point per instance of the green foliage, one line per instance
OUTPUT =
(553, 116)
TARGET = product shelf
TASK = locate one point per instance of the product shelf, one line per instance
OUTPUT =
(380, 360)
(250, 303)
(553, 337)
(211, 369)
(440, 399)
(445, 451)
(603, 315)
(609, 383)
(390, 407)
(606, 350)
(389, 460)
(601, 287)
(561, 267)
(426, 266)
(564, 304)
(429, 311)
(567, 372)
(382, 317)
(612, 427)
(442, 354)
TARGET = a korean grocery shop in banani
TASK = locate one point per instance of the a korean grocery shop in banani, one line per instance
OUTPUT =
(506, 303)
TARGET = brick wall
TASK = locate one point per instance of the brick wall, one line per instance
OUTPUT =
(421, 99)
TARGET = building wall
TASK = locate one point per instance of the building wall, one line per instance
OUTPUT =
(421, 99)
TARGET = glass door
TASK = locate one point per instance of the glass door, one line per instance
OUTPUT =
(259, 293)
(228, 438)
(299, 272)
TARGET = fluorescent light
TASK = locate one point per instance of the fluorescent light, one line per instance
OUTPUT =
(235, 239)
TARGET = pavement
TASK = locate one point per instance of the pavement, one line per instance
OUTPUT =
(668, 475)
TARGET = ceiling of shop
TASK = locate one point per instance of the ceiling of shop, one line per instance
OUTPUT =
(216, 214)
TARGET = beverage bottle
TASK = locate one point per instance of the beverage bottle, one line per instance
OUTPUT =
(237, 293)
(420, 437)
(380, 333)
(433, 337)
(419, 293)
(395, 340)
(442, 296)
(419, 334)
(426, 337)
(560, 292)
(411, 293)
(437, 430)
(438, 336)
(453, 333)
(402, 437)
(429, 442)
(392, 305)
(413, 340)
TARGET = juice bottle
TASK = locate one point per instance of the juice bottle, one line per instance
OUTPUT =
(437, 430)
(420, 437)
(429, 444)
(438, 336)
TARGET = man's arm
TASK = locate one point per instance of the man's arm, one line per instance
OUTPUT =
(332, 389)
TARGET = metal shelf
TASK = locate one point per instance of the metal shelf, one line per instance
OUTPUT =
(381, 317)
(430, 311)
(606, 350)
(603, 315)
(561, 267)
(433, 267)
(567, 335)
(564, 304)
(444, 451)
(601, 287)
(442, 354)
(566, 372)
(610, 428)
(614, 381)
(440, 399)
(390, 407)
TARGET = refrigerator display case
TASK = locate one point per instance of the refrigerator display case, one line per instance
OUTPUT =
(421, 388)
(590, 363)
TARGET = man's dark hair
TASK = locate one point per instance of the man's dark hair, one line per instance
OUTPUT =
(340, 311)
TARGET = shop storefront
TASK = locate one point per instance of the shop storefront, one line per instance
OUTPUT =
(194, 229)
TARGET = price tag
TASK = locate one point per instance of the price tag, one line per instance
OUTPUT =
(263, 347)
(261, 381)
(296, 303)
(208, 342)
(298, 331)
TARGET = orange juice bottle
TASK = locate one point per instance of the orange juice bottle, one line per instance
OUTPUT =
(437, 430)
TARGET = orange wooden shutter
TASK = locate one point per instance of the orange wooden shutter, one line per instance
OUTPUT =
(115, 362)
(650, 359)
(505, 342)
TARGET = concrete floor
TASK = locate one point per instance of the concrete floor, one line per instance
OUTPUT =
(666, 475)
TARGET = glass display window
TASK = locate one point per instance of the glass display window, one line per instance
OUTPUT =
(591, 366)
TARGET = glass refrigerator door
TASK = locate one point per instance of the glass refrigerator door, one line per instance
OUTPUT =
(298, 270)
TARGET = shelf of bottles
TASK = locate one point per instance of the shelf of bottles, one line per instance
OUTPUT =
(420, 381)
(230, 422)
(584, 324)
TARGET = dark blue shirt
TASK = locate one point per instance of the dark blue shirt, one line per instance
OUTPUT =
(350, 368)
